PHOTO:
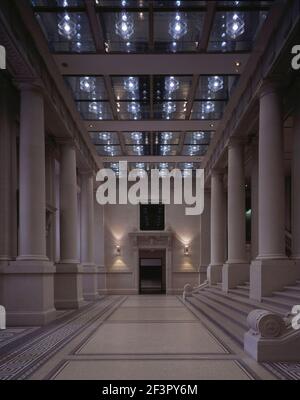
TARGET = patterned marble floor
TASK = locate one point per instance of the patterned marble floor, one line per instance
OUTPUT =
(135, 337)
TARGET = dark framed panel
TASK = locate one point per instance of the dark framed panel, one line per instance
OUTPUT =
(152, 217)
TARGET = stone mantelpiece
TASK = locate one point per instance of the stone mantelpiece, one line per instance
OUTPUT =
(152, 240)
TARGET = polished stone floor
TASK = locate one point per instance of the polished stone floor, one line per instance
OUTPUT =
(134, 337)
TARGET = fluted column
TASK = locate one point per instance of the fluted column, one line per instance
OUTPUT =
(28, 282)
(68, 280)
(217, 249)
(236, 270)
(271, 271)
(296, 188)
(87, 237)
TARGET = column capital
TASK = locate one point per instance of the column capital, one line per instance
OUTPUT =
(29, 84)
(65, 141)
(86, 172)
(236, 141)
(217, 172)
(270, 85)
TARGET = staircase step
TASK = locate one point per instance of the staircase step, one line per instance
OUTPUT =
(243, 309)
(248, 302)
(288, 296)
(294, 289)
(244, 288)
(234, 330)
(241, 292)
(281, 303)
(233, 315)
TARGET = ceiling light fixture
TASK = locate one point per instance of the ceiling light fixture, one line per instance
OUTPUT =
(178, 27)
(67, 27)
(134, 108)
(235, 26)
(137, 136)
(166, 136)
(215, 83)
(106, 136)
(87, 84)
(95, 108)
(131, 84)
(198, 135)
(125, 26)
(171, 84)
(169, 107)
(208, 107)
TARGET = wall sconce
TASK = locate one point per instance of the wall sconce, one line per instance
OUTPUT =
(118, 250)
(186, 250)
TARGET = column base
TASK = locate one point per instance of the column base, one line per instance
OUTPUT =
(89, 282)
(27, 293)
(101, 280)
(268, 276)
(202, 274)
(234, 275)
(68, 292)
(214, 274)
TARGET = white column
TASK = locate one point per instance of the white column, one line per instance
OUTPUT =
(68, 205)
(236, 270)
(254, 200)
(218, 237)
(29, 281)
(271, 175)
(6, 136)
(236, 204)
(68, 279)
(87, 237)
(296, 188)
(32, 229)
(99, 246)
(205, 238)
(271, 271)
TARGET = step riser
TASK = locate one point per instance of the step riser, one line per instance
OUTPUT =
(230, 332)
(238, 319)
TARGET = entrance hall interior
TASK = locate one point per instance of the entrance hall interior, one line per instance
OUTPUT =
(145, 291)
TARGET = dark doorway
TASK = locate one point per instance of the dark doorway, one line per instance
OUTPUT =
(152, 272)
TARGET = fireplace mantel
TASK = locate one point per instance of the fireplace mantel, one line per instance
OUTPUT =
(151, 240)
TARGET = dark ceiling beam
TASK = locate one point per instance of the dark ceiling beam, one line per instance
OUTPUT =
(151, 27)
(192, 94)
(152, 159)
(114, 108)
(151, 126)
(151, 64)
(208, 24)
(96, 29)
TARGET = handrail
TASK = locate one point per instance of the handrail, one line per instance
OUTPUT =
(188, 290)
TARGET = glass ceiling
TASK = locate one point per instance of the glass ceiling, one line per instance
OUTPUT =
(140, 26)
(156, 97)
(151, 26)
(108, 144)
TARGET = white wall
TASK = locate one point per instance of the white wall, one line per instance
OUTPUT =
(120, 220)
